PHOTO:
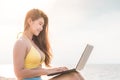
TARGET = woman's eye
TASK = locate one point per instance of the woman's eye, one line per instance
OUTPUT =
(40, 24)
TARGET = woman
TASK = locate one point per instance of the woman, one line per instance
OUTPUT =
(32, 49)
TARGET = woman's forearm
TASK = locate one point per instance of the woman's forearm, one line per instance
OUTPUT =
(29, 73)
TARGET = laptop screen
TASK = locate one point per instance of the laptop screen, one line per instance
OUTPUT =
(85, 55)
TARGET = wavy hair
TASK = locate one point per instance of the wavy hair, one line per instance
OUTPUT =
(42, 39)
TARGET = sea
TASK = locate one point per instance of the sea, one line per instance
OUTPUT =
(101, 72)
(90, 72)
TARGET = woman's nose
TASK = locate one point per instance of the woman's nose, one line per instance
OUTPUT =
(40, 28)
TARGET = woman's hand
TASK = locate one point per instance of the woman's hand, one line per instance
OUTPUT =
(58, 69)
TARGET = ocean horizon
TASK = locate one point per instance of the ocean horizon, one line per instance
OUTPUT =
(90, 72)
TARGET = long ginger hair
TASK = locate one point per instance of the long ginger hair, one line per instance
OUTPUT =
(42, 39)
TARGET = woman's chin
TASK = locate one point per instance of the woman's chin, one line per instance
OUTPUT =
(36, 34)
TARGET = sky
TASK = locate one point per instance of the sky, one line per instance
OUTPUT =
(72, 25)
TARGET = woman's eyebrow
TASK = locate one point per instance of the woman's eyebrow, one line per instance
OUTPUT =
(41, 22)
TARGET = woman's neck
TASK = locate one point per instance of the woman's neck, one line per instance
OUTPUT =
(28, 35)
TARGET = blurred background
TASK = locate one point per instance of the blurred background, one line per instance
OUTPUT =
(72, 25)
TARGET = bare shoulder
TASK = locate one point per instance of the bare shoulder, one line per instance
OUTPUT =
(20, 42)
(20, 45)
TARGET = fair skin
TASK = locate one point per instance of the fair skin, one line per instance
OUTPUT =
(22, 47)
(74, 75)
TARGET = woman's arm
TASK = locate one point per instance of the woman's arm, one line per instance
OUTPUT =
(19, 53)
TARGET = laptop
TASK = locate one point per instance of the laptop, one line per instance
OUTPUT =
(81, 63)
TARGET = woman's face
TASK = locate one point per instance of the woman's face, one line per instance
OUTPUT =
(36, 26)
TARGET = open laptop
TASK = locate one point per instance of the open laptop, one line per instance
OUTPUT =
(81, 63)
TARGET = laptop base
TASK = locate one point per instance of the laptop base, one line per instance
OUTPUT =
(63, 72)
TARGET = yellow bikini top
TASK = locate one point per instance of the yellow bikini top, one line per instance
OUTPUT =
(33, 58)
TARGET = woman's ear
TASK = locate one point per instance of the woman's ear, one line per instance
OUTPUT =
(29, 21)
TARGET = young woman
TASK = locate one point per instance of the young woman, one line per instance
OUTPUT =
(32, 49)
